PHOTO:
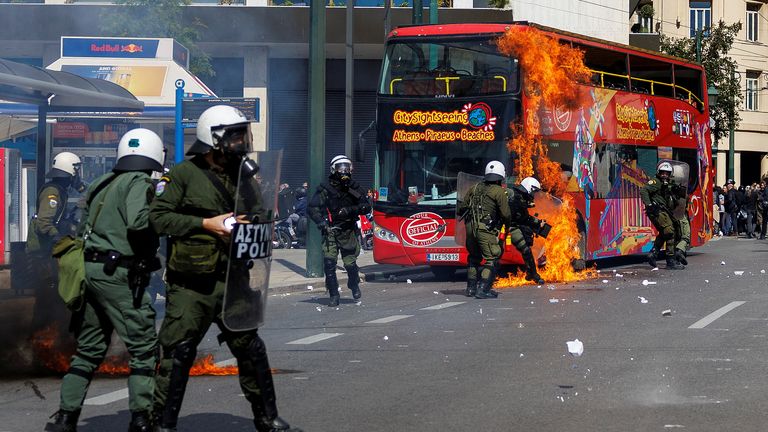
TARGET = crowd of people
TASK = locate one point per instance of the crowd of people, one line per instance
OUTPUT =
(741, 210)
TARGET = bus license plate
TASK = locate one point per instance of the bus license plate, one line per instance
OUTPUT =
(442, 257)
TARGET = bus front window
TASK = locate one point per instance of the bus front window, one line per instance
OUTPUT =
(448, 68)
(426, 173)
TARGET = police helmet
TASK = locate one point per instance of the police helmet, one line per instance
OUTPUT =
(65, 164)
(222, 125)
(140, 150)
(664, 166)
(341, 164)
(530, 184)
(495, 171)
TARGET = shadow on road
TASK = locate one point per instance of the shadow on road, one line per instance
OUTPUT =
(191, 423)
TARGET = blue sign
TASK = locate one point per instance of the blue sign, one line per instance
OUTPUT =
(109, 47)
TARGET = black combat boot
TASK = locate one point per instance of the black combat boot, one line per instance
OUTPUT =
(680, 257)
(353, 281)
(471, 288)
(533, 275)
(331, 282)
(652, 257)
(484, 290)
(672, 264)
(141, 421)
(277, 424)
(65, 421)
(530, 267)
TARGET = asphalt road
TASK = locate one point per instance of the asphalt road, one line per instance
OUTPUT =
(422, 357)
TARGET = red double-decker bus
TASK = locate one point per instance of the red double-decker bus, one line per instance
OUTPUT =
(449, 101)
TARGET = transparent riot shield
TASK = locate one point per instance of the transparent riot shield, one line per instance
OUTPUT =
(250, 252)
(680, 172)
(547, 208)
(464, 183)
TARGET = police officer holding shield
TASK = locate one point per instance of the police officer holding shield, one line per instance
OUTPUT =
(335, 208)
(659, 197)
(192, 202)
(485, 209)
(119, 256)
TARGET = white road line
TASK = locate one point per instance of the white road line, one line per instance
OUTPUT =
(108, 398)
(715, 315)
(442, 305)
(388, 319)
(313, 339)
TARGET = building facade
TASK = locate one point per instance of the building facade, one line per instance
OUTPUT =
(683, 18)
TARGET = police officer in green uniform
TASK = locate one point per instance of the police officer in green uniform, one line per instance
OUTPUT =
(659, 198)
(682, 225)
(523, 224)
(335, 208)
(191, 203)
(51, 222)
(485, 209)
(119, 255)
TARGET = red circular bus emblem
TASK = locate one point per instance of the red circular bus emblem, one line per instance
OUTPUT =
(423, 229)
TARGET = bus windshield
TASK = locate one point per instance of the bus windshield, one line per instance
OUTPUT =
(453, 67)
(425, 173)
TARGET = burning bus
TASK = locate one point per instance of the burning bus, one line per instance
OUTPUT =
(589, 118)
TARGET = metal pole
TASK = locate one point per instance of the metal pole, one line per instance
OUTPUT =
(433, 11)
(178, 149)
(417, 11)
(42, 147)
(316, 124)
(387, 20)
(350, 81)
(698, 46)
(732, 137)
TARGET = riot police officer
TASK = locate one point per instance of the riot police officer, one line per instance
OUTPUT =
(485, 210)
(191, 203)
(523, 224)
(51, 222)
(335, 208)
(659, 198)
(119, 256)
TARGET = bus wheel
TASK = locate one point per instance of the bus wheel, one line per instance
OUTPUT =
(580, 264)
(443, 273)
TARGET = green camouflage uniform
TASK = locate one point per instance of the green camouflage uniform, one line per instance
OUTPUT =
(335, 209)
(486, 207)
(195, 282)
(121, 226)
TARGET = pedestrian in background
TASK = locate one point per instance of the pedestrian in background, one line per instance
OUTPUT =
(120, 250)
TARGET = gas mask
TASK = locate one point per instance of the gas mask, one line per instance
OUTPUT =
(77, 182)
(233, 142)
(343, 174)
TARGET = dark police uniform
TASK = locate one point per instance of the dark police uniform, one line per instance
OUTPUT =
(522, 227)
(486, 207)
(196, 267)
(660, 199)
(335, 209)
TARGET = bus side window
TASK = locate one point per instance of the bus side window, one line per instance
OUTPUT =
(647, 158)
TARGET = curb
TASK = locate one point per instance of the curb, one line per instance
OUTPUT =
(319, 283)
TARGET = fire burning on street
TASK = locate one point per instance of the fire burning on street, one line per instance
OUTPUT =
(552, 73)
(50, 355)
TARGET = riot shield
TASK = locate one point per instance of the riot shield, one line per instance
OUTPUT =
(680, 172)
(464, 183)
(250, 252)
(547, 207)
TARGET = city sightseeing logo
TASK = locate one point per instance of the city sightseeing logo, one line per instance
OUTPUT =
(477, 118)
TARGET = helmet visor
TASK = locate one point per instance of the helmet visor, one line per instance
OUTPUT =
(343, 168)
(234, 138)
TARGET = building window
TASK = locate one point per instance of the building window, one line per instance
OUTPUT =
(751, 96)
(753, 20)
(701, 16)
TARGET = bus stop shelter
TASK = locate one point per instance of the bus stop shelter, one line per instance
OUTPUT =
(61, 92)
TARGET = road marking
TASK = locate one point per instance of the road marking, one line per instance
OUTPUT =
(312, 339)
(700, 324)
(108, 398)
(442, 305)
(389, 319)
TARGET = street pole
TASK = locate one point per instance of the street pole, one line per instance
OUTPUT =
(417, 11)
(731, 145)
(433, 11)
(350, 82)
(316, 125)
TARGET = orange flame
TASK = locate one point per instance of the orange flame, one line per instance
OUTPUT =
(50, 355)
(552, 74)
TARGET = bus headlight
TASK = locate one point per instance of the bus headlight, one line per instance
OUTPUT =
(386, 235)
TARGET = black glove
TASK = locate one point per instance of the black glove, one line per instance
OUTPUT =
(323, 227)
(652, 210)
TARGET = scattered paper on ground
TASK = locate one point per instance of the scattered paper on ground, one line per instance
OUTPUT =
(575, 347)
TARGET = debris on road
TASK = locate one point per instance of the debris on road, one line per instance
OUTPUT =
(310, 287)
(575, 347)
(666, 312)
(642, 299)
(408, 281)
(554, 300)
(646, 282)
(738, 272)
(722, 262)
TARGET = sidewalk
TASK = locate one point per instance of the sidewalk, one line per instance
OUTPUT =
(289, 269)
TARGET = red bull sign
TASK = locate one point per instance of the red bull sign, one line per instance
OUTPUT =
(109, 47)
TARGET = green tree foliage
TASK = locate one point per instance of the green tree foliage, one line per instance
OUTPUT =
(498, 4)
(720, 70)
(158, 18)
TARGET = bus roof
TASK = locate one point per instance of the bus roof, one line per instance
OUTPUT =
(494, 28)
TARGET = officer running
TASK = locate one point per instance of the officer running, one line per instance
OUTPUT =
(485, 210)
(191, 204)
(335, 208)
(659, 197)
(682, 224)
(119, 256)
(523, 224)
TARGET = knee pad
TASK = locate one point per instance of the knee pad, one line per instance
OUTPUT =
(329, 266)
(184, 353)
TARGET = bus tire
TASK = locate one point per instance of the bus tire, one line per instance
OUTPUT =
(443, 273)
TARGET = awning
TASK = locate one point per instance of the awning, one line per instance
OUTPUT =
(62, 91)
(11, 127)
